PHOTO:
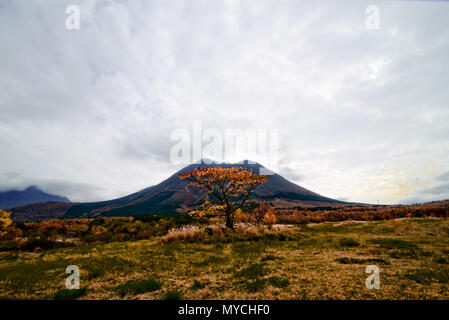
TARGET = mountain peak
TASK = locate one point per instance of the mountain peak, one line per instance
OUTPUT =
(30, 195)
(208, 161)
(33, 188)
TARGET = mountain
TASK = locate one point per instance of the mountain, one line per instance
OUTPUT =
(171, 193)
(168, 196)
(32, 194)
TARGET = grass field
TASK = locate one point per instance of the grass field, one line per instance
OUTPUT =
(322, 261)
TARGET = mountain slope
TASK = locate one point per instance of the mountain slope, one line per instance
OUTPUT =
(170, 194)
(30, 195)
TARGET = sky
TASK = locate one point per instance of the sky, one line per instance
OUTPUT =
(361, 113)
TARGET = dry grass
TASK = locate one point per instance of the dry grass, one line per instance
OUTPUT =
(251, 263)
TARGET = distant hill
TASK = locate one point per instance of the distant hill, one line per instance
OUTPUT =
(40, 211)
(30, 195)
(168, 196)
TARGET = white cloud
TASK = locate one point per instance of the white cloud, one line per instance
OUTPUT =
(361, 113)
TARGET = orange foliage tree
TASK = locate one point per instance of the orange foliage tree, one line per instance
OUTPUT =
(230, 187)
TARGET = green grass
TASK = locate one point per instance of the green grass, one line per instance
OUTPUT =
(324, 261)
(212, 260)
(94, 274)
(251, 272)
(66, 294)
(346, 260)
(139, 286)
(441, 260)
(346, 242)
(270, 257)
(9, 257)
(172, 295)
(199, 284)
(278, 282)
(256, 285)
(393, 243)
(427, 276)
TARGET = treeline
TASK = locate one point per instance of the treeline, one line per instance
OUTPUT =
(68, 232)
(363, 213)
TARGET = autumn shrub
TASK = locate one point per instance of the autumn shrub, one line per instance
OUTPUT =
(185, 233)
(292, 217)
(5, 222)
(258, 214)
(34, 243)
(269, 217)
(241, 216)
(9, 245)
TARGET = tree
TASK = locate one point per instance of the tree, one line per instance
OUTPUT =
(5, 221)
(260, 211)
(269, 217)
(229, 187)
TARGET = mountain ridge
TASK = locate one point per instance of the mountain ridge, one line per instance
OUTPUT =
(30, 195)
(168, 196)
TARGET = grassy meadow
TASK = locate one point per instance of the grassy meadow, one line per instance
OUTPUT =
(318, 261)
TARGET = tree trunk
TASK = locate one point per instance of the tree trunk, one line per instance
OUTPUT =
(229, 222)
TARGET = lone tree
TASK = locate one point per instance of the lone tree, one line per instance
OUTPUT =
(229, 187)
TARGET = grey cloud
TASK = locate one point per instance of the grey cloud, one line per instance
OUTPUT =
(443, 177)
(437, 191)
(94, 108)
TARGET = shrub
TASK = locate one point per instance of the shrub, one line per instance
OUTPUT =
(269, 217)
(5, 221)
(198, 284)
(346, 260)
(441, 260)
(139, 286)
(9, 245)
(94, 274)
(33, 243)
(211, 260)
(278, 282)
(258, 214)
(428, 276)
(252, 271)
(66, 294)
(256, 285)
(172, 295)
(10, 257)
(393, 243)
(270, 257)
(347, 242)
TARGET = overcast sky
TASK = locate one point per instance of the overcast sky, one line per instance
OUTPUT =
(362, 114)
